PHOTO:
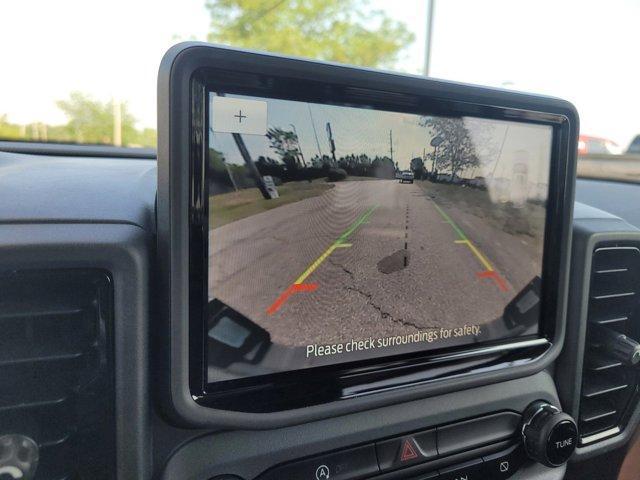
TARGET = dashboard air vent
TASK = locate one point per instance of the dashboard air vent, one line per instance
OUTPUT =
(56, 375)
(610, 377)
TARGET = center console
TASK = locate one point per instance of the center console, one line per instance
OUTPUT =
(475, 430)
(490, 447)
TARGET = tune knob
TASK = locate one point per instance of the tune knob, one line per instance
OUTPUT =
(549, 435)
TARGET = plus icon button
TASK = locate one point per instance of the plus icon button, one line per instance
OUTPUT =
(240, 116)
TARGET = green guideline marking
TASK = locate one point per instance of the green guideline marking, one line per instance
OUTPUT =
(355, 225)
(447, 219)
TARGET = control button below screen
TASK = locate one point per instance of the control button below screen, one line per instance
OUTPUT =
(352, 464)
(427, 476)
(409, 450)
(503, 464)
(476, 433)
(467, 471)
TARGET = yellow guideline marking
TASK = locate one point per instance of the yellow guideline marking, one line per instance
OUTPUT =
(339, 243)
(462, 239)
(317, 263)
(320, 259)
(477, 253)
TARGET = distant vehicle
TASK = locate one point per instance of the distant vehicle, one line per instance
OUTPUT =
(634, 146)
(588, 144)
(407, 176)
(477, 182)
(398, 174)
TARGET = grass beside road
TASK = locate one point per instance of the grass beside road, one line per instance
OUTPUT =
(229, 207)
(527, 220)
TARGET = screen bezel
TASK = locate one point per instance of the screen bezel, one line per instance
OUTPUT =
(184, 73)
(315, 92)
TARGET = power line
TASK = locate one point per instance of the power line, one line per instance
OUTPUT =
(315, 132)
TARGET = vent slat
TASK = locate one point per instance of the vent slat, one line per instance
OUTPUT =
(598, 430)
(9, 404)
(14, 312)
(55, 442)
(611, 321)
(614, 295)
(612, 270)
(598, 362)
(614, 257)
(593, 412)
(597, 387)
(14, 356)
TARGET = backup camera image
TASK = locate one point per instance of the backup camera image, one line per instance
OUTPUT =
(339, 234)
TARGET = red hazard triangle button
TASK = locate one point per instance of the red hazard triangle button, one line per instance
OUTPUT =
(408, 451)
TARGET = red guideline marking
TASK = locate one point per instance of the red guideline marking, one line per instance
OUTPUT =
(284, 296)
(408, 452)
(495, 276)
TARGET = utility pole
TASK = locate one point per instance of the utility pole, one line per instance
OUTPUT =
(435, 143)
(251, 165)
(332, 144)
(391, 143)
(428, 36)
(117, 122)
(233, 181)
(504, 139)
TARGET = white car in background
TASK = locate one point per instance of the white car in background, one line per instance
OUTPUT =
(406, 176)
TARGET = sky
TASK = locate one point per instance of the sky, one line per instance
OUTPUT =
(583, 51)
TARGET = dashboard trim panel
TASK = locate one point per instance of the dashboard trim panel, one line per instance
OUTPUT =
(591, 227)
(123, 251)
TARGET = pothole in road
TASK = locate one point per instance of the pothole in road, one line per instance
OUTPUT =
(394, 262)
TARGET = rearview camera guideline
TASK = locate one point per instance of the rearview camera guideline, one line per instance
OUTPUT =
(339, 234)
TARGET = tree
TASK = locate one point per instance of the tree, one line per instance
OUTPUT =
(383, 167)
(92, 121)
(335, 30)
(271, 167)
(457, 151)
(89, 121)
(417, 167)
(285, 143)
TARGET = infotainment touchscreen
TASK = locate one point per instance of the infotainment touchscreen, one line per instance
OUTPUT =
(344, 234)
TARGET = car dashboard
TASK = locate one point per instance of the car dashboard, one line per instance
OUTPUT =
(78, 249)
